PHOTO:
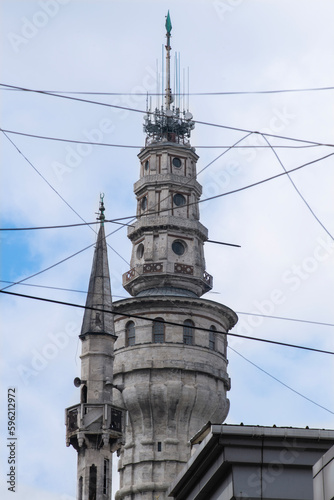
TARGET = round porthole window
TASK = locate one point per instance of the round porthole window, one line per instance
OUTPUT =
(179, 199)
(143, 203)
(178, 247)
(140, 251)
(177, 162)
(147, 165)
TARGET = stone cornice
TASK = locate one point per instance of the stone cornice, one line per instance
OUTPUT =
(171, 303)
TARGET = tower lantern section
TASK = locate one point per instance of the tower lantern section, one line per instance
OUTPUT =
(167, 237)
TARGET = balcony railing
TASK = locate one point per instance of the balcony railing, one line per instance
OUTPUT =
(208, 279)
(94, 419)
(159, 267)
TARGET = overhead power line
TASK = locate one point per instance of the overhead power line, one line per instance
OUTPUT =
(74, 141)
(286, 319)
(135, 110)
(133, 217)
(69, 140)
(279, 381)
(267, 179)
(298, 191)
(144, 215)
(172, 323)
(61, 226)
(57, 193)
(90, 224)
(233, 92)
(58, 288)
(320, 323)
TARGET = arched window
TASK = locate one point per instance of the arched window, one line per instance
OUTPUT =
(188, 332)
(106, 481)
(158, 330)
(92, 481)
(130, 334)
(212, 338)
(80, 488)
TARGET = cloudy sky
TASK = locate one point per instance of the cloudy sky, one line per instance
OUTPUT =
(284, 267)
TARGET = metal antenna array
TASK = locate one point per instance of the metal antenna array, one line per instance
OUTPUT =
(171, 122)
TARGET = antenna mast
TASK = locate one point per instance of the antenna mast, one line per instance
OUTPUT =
(168, 96)
(169, 124)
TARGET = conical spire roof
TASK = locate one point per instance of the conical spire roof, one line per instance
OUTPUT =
(99, 291)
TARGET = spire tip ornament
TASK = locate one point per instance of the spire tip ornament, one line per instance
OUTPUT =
(168, 23)
(100, 215)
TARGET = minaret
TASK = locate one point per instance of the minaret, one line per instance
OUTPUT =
(175, 377)
(94, 427)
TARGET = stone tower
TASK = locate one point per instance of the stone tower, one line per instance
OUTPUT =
(94, 427)
(174, 376)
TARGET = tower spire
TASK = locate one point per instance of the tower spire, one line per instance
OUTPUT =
(94, 426)
(99, 290)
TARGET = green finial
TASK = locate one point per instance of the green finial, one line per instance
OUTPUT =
(101, 216)
(168, 24)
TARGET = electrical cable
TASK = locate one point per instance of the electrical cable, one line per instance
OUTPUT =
(58, 194)
(139, 147)
(172, 323)
(279, 381)
(263, 133)
(68, 140)
(47, 268)
(61, 226)
(286, 172)
(135, 110)
(298, 191)
(210, 198)
(91, 223)
(76, 99)
(76, 253)
(240, 92)
(42, 176)
(287, 319)
(321, 323)
(59, 288)
(265, 180)
(147, 214)
(223, 194)
(221, 154)
(238, 189)
(59, 262)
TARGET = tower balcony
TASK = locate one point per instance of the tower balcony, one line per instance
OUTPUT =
(85, 421)
(157, 274)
